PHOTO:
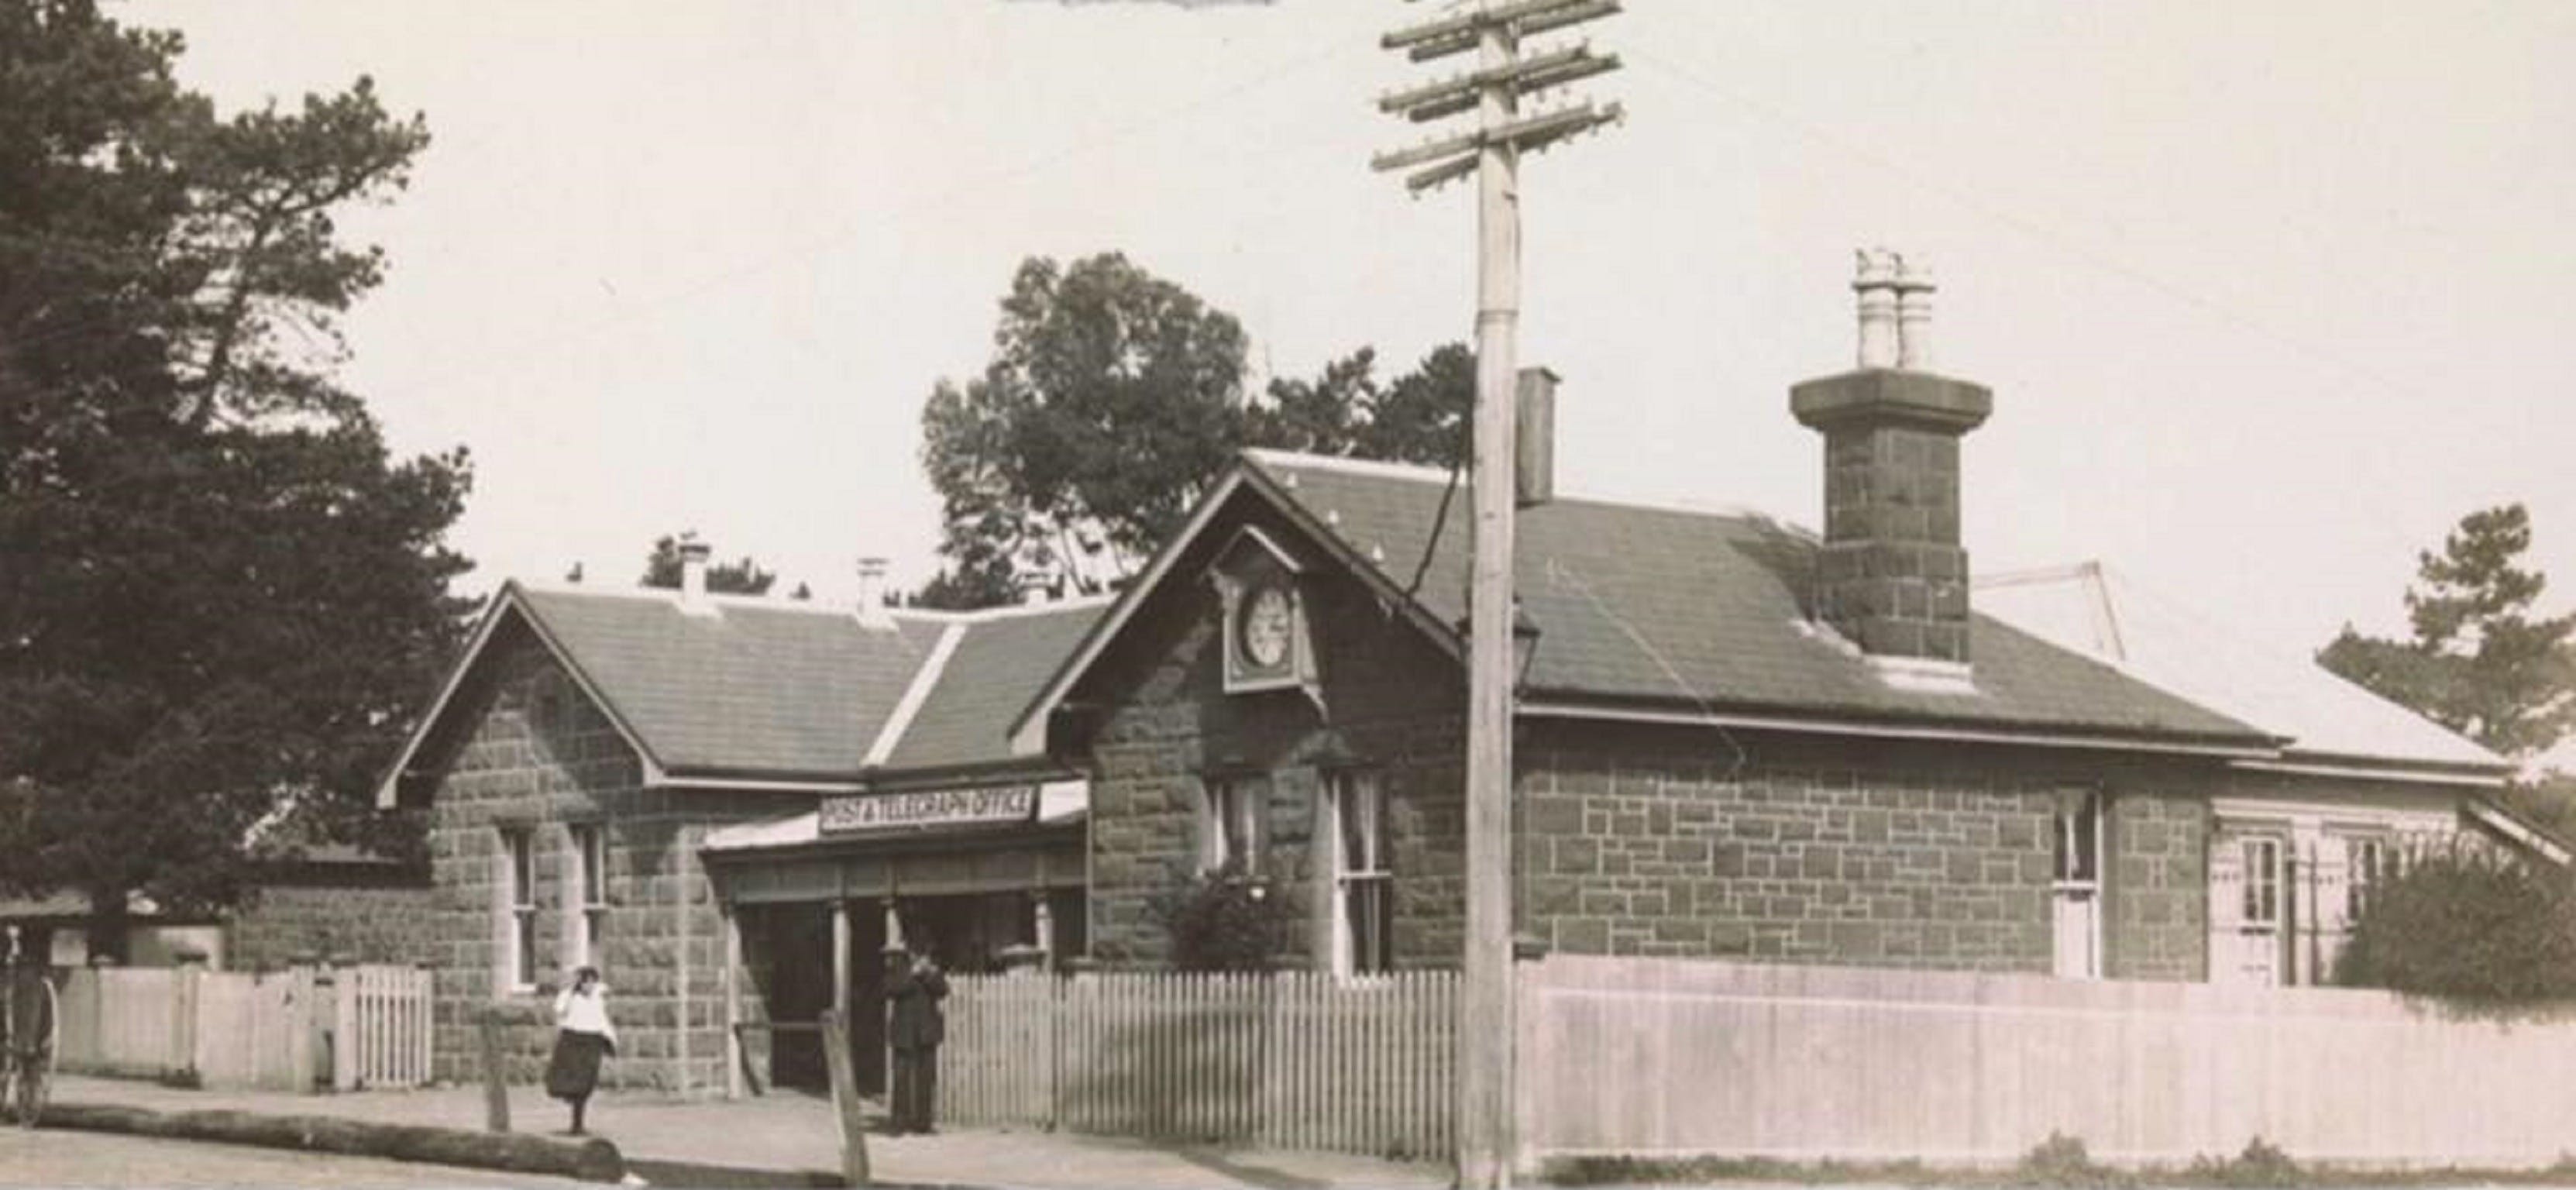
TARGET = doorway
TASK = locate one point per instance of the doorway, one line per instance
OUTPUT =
(2249, 907)
(2076, 893)
(796, 982)
(796, 985)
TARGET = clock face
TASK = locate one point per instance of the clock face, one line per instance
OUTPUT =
(1265, 627)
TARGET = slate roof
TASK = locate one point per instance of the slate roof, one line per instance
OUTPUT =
(761, 686)
(2095, 609)
(762, 689)
(997, 666)
(1702, 609)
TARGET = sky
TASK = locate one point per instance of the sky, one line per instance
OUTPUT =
(2269, 294)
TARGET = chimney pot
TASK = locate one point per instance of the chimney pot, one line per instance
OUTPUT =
(1875, 282)
(1914, 289)
(872, 608)
(693, 570)
(1039, 586)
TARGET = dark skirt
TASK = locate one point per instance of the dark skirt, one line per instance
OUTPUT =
(574, 1071)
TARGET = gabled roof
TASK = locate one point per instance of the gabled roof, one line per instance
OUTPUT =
(758, 691)
(1648, 612)
(1707, 608)
(760, 685)
(2097, 610)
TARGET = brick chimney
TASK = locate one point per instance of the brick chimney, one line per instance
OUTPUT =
(1892, 576)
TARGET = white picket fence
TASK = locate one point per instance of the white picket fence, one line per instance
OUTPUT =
(382, 1034)
(291, 1030)
(1289, 1060)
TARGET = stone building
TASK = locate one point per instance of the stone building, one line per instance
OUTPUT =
(693, 792)
(1733, 738)
(332, 903)
(323, 903)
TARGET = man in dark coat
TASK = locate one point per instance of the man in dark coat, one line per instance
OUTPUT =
(916, 1031)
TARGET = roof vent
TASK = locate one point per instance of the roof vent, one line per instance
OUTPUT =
(1041, 586)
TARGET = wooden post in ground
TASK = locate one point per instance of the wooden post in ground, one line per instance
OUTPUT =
(344, 1028)
(496, 1081)
(845, 1098)
(732, 997)
(186, 984)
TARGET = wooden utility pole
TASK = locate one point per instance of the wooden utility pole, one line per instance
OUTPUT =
(1493, 90)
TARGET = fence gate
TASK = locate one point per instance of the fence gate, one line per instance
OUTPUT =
(1291, 1060)
(382, 1028)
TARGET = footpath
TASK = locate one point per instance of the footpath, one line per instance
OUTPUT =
(791, 1139)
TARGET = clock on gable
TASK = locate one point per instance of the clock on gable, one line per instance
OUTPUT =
(1264, 627)
(1264, 616)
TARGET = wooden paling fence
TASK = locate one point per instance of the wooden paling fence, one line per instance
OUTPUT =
(121, 1022)
(250, 1030)
(1669, 1057)
(289, 1030)
(1290, 1060)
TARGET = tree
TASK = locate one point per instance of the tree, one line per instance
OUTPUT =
(739, 577)
(2479, 662)
(223, 600)
(1113, 399)
(1419, 418)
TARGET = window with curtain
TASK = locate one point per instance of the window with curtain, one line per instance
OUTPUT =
(1363, 885)
(519, 893)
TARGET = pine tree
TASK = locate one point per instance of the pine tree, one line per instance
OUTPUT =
(2480, 662)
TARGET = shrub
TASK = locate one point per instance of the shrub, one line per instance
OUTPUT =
(1224, 921)
(2061, 1160)
(2262, 1165)
(2466, 923)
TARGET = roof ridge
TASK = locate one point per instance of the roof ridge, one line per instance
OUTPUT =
(1008, 611)
(810, 607)
(1425, 473)
(671, 595)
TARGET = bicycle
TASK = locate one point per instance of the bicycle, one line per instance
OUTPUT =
(30, 1030)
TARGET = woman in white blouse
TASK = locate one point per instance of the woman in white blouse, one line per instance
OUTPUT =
(582, 1035)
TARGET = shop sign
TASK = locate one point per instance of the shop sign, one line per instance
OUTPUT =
(936, 807)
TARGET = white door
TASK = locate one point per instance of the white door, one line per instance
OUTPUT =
(2076, 895)
(2078, 912)
(2248, 905)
